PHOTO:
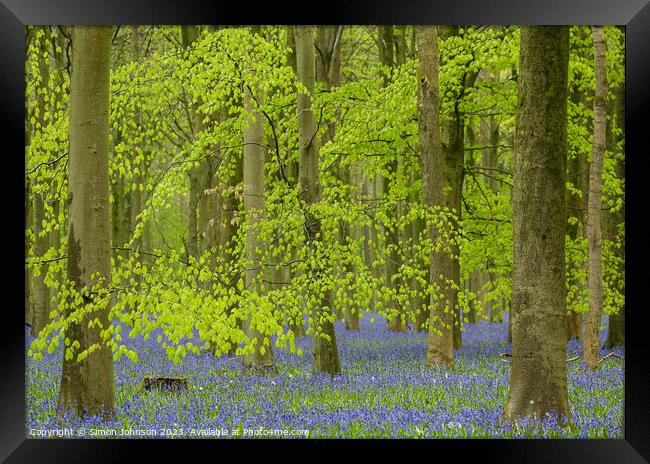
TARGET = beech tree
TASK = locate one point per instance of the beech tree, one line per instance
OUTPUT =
(41, 292)
(594, 228)
(273, 183)
(87, 383)
(261, 355)
(538, 381)
(453, 143)
(326, 357)
(616, 220)
(440, 351)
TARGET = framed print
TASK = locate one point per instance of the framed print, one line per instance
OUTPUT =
(408, 224)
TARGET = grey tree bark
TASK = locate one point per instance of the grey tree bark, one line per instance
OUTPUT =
(488, 135)
(255, 208)
(472, 282)
(198, 206)
(453, 146)
(297, 324)
(594, 230)
(328, 72)
(538, 381)
(420, 302)
(229, 224)
(578, 176)
(440, 349)
(387, 48)
(575, 166)
(88, 386)
(326, 358)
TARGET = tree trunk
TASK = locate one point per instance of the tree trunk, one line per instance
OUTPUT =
(400, 44)
(29, 220)
(57, 89)
(510, 326)
(208, 203)
(371, 244)
(195, 174)
(616, 328)
(138, 195)
(120, 215)
(440, 351)
(538, 382)
(420, 302)
(121, 206)
(255, 209)
(28, 274)
(192, 224)
(88, 386)
(453, 148)
(387, 45)
(453, 145)
(328, 65)
(41, 295)
(41, 311)
(472, 286)
(297, 324)
(346, 234)
(489, 136)
(404, 239)
(576, 166)
(228, 227)
(594, 232)
(574, 326)
(326, 358)
(472, 283)
(356, 235)
(328, 72)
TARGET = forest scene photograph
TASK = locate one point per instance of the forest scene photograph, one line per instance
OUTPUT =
(341, 231)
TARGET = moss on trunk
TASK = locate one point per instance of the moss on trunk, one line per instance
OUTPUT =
(538, 381)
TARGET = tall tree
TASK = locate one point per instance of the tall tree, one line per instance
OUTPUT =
(473, 282)
(261, 358)
(297, 324)
(328, 64)
(489, 136)
(577, 197)
(229, 223)
(41, 292)
(538, 381)
(387, 46)
(594, 232)
(88, 385)
(576, 167)
(197, 205)
(120, 206)
(453, 146)
(326, 357)
(139, 193)
(328, 72)
(58, 86)
(440, 350)
(616, 326)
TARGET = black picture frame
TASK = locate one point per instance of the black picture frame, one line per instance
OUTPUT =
(635, 14)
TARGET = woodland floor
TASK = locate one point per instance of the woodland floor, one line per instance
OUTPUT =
(385, 391)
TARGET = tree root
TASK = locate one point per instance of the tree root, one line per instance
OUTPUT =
(575, 358)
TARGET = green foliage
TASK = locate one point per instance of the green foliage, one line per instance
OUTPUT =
(174, 109)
